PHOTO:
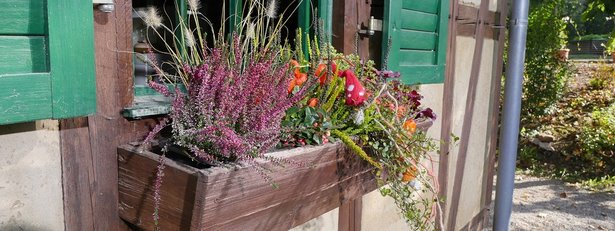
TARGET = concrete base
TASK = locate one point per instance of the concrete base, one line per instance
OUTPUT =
(30, 177)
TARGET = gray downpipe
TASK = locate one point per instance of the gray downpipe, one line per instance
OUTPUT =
(509, 138)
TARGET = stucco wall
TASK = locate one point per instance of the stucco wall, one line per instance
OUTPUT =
(30, 177)
(326, 222)
(471, 195)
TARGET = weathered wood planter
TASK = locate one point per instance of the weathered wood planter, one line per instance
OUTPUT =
(240, 199)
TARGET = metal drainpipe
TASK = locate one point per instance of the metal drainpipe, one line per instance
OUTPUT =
(510, 116)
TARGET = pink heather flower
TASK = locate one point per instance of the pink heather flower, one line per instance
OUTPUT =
(157, 185)
(232, 109)
(160, 88)
(155, 131)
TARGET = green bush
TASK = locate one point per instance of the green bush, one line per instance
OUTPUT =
(545, 74)
(597, 137)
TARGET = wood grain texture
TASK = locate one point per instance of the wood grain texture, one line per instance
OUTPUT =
(24, 97)
(495, 109)
(23, 17)
(350, 215)
(240, 199)
(71, 56)
(447, 112)
(77, 174)
(468, 20)
(23, 54)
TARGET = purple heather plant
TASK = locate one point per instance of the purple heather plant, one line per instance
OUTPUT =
(232, 108)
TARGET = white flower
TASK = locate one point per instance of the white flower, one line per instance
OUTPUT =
(415, 184)
(359, 117)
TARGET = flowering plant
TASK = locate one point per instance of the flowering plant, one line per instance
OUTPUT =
(236, 91)
(378, 118)
(248, 92)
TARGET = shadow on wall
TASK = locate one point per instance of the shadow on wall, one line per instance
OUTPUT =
(17, 128)
(29, 126)
(21, 227)
(314, 224)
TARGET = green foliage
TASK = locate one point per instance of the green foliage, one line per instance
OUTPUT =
(595, 7)
(355, 148)
(583, 124)
(605, 183)
(545, 75)
(597, 137)
(610, 44)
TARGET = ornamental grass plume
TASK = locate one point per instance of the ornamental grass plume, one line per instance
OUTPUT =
(151, 17)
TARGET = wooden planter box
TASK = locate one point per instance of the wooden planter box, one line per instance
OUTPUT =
(240, 199)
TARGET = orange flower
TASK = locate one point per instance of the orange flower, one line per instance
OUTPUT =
(321, 72)
(294, 64)
(409, 175)
(300, 78)
(292, 85)
(312, 102)
(410, 126)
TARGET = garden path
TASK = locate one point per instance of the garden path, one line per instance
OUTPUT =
(546, 204)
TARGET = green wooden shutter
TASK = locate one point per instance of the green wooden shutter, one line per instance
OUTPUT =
(46, 60)
(417, 35)
(325, 13)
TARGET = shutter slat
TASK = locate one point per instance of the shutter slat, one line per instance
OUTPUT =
(22, 54)
(25, 97)
(417, 40)
(22, 17)
(414, 57)
(422, 74)
(415, 20)
(428, 6)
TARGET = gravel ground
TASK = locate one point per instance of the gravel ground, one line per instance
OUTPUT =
(544, 204)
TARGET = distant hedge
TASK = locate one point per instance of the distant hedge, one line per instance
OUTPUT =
(591, 37)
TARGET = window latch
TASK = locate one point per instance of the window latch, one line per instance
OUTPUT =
(106, 6)
(373, 26)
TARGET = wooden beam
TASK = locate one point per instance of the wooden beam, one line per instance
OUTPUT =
(77, 174)
(447, 110)
(495, 106)
(350, 215)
